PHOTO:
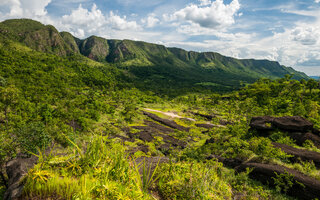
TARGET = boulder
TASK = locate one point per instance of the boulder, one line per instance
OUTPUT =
(262, 123)
(288, 123)
(207, 126)
(158, 127)
(300, 138)
(16, 170)
(144, 136)
(294, 123)
(303, 154)
(166, 122)
(304, 187)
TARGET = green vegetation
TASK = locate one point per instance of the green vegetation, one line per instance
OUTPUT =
(88, 115)
(169, 71)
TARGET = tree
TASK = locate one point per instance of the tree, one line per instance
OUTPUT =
(312, 84)
(8, 99)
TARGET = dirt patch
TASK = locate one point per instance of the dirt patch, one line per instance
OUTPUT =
(304, 155)
(210, 126)
(171, 114)
(166, 122)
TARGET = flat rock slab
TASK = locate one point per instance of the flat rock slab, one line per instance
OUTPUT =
(295, 123)
(303, 154)
(288, 123)
(208, 117)
(304, 187)
(173, 141)
(160, 128)
(262, 123)
(228, 162)
(166, 122)
(144, 136)
(207, 126)
(302, 137)
(143, 148)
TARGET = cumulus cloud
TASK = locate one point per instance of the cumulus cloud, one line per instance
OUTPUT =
(207, 14)
(121, 23)
(83, 22)
(25, 8)
(317, 1)
(306, 35)
(150, 21)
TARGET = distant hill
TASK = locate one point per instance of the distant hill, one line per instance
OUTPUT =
(153, 67)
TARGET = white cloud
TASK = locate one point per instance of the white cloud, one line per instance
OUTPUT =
(306, 35)
(205, 2)
(84, 17)
(83, 22)
(317, 1)
(121, 23)
(208, 14)
(25, 8)
(150, 21)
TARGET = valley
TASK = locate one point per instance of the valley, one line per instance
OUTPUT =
(121, 119)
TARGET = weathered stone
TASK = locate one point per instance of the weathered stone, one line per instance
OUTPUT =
(262, 123)
(294, 123)
(166, 122)
(304, 187)
(302, 154)
(16, 170)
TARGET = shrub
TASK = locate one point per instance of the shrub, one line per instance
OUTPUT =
(193, 180)
(32, 136)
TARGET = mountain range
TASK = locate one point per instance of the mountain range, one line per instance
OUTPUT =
(152, 66)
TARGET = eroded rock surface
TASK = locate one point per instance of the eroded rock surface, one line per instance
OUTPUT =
(16, 170)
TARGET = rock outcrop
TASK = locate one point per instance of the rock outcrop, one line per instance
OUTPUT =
(298, 128)
(16, 171)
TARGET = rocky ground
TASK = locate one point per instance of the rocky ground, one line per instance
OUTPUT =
(155, 127)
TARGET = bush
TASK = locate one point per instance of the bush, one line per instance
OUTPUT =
(32, 136)
(193, 180)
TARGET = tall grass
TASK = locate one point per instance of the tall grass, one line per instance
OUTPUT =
(103, 171)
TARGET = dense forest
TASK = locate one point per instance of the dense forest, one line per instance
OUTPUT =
(75, 126)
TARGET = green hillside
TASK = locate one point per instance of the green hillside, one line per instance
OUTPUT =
(154, 66)
(126, 120)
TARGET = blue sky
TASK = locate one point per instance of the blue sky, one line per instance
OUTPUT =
(287, 31)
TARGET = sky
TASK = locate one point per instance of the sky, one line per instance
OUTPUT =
(287, 31)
